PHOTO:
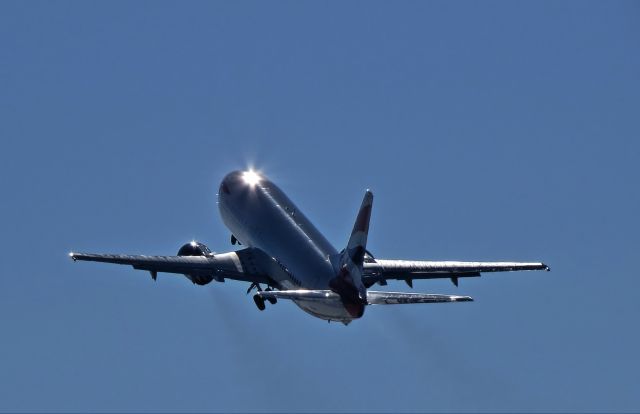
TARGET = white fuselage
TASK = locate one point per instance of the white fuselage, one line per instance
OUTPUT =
(260, 215)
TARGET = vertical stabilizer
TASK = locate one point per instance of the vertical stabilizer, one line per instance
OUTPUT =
(348, 282)
(358, 241)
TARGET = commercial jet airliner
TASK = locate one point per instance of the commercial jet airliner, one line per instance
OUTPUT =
(284, 253)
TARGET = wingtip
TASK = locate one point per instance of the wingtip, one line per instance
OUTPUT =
(72, 255)
(546, 267)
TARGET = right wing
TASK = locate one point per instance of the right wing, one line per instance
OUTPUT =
(239, 265)
(380, 270)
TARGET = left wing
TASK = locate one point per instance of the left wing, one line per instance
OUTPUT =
(239, 265)
(379, 270)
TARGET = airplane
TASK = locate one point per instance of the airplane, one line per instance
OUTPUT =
(284, 252)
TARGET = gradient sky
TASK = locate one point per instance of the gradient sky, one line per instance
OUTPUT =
(487, 131)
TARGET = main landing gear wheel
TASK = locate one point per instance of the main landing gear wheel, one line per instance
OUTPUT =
(271, 300)
(259, 302)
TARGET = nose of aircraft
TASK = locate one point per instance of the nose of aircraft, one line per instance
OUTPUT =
(237, 181)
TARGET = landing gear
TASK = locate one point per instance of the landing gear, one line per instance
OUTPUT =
(259, 302)
(235, 241)
(271, 300)
(254, 285)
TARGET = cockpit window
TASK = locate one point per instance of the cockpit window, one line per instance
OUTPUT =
(225, 188)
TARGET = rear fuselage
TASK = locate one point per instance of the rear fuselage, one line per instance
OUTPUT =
(260, 215)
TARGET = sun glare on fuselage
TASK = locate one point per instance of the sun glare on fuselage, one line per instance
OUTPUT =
(251, 177)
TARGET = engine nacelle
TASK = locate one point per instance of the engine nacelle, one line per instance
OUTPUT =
(197, 249)
(194, 249)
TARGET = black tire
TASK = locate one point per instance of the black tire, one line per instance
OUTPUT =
(259, 302)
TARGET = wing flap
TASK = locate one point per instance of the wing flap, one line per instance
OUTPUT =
(402, 298)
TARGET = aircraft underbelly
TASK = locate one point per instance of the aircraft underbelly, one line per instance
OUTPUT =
(331, 310)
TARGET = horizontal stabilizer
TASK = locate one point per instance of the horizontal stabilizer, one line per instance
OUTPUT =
(400, 298)
(319, 295)
(373, 297)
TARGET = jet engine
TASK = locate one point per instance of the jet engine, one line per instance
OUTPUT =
(195, 248)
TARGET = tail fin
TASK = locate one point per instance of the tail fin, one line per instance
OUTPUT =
(348, 282)
(358, 241)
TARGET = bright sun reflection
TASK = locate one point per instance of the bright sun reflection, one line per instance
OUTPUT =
(251, 177)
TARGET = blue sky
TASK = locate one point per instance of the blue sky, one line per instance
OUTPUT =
(487, 131)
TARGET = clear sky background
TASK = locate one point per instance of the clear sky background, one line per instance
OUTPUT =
(487, 131)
